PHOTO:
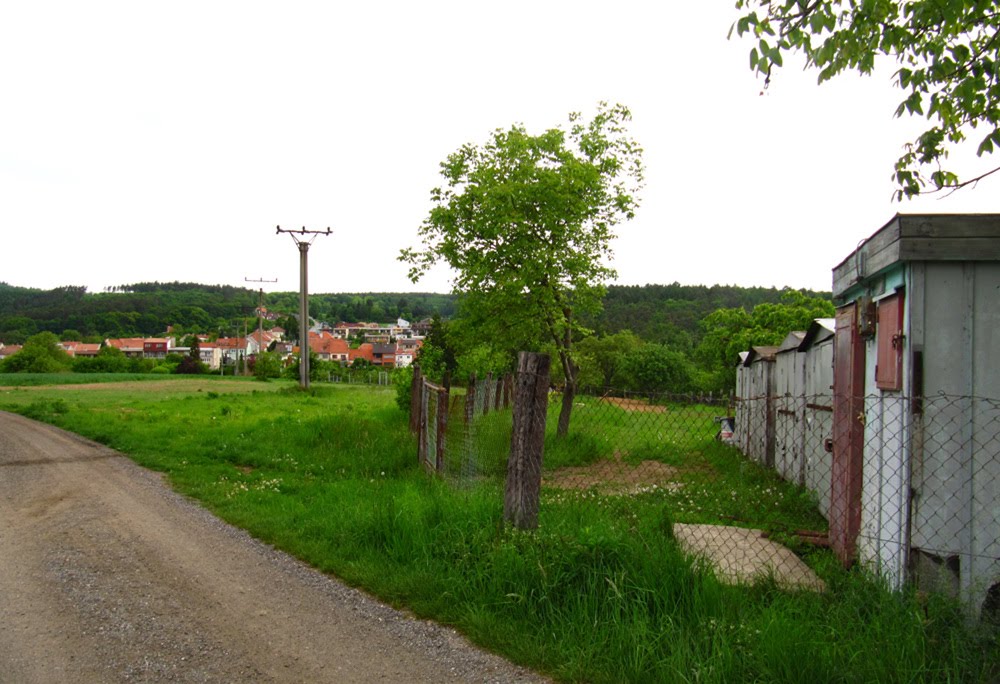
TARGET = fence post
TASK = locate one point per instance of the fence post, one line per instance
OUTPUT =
(487, 388)
(415, 400)
(422, 431)
(498, 396)
(524, 466)
(442, 427)
(470, 400)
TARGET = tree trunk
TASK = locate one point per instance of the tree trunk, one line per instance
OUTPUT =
(569, 395)
(527, 442)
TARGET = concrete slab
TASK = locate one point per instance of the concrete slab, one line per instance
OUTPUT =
(741, 555)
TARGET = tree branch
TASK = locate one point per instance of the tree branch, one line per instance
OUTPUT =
(958, 186)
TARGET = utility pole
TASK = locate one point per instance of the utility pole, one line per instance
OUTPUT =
(260, 309)
(303, 244)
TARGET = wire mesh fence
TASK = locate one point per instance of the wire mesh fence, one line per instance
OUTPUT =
(909, 488)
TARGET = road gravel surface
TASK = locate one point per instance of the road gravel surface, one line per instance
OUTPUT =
(107, 575)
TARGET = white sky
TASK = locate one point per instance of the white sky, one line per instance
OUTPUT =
(148, 141)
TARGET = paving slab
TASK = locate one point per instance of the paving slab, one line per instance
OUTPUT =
(742, 555)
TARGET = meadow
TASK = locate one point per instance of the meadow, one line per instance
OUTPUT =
(599, 593)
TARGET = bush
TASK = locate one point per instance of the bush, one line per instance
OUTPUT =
(190, 366)
(267, 365)
(108, 360)
(402, 380)
(40, 354)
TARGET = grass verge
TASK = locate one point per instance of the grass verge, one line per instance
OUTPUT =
(600, 593)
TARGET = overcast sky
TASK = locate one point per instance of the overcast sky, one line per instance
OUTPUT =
(148, 141)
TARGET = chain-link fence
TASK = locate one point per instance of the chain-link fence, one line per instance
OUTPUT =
(907, 487)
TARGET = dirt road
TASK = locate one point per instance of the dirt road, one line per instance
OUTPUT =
(108, 576)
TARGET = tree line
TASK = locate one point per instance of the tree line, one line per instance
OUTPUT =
(147, 309)
(674, 337)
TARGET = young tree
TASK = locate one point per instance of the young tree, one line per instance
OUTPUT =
(41, 354)
(949, 68)
(526, 221)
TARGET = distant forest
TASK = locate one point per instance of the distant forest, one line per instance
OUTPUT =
(666, 314)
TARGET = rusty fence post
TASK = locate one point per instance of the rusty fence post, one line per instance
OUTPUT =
(524, 466)
(415, 399)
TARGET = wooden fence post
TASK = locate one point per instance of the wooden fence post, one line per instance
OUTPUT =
(470, 400)
(442, 427)
(524, 466)
(422, 432)
(498, 395)
(415, 400)
(487, 388)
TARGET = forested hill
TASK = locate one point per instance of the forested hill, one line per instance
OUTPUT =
(672, 313)
(662, 313)
(148, 308)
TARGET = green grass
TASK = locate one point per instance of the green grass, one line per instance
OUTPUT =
(600, 593)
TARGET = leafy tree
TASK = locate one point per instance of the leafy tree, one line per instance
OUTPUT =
(730, 331)
(291, 326)
(40, 354)
(601, 357)
(657, 368)
(949, 67)
(437, 355)
(71, 335)
(526, 221)
(483, 359)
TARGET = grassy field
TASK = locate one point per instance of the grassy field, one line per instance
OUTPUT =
(600, 593)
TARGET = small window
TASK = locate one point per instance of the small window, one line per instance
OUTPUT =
(889, 362)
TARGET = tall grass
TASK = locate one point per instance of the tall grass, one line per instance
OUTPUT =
(600, 593)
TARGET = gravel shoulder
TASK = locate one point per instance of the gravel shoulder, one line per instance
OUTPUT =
(107, 575)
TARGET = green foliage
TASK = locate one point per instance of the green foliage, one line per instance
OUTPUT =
(402, 381)
(40, 354)
(600, 593)
(600, 357)
(316, 370)
(657, 368)
(108, 360)
(148, 308)
(267, 365)
(727, 332)
(483, 359)
(949, 69)
(526, 222)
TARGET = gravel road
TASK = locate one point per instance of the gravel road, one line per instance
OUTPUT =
(106, 575)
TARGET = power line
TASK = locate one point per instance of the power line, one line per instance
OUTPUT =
(260, 309)
(303, 244)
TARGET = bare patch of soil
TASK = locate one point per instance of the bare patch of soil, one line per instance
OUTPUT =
(639, 405)
(614, 476)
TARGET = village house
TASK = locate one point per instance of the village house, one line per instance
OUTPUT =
(75, 349)
(8, 350)
(329, 348)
